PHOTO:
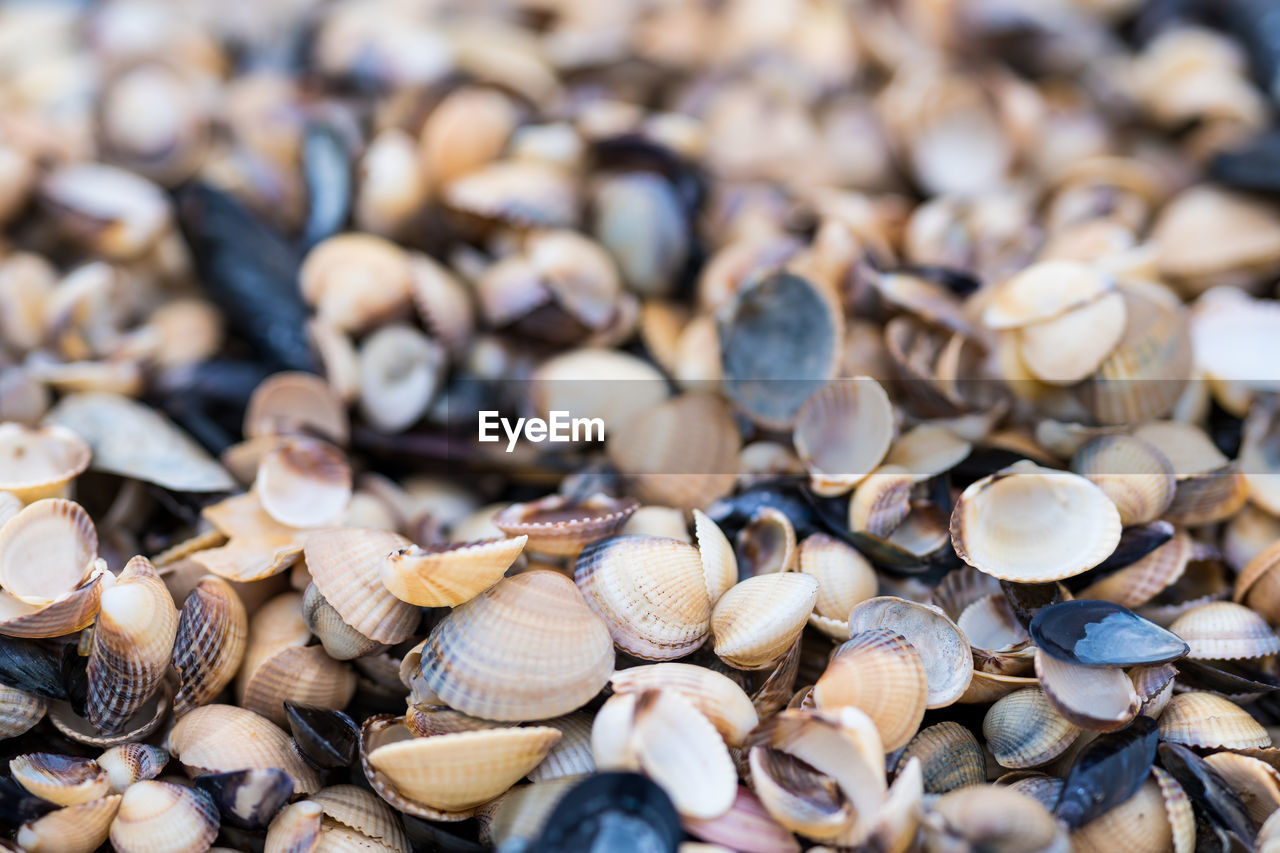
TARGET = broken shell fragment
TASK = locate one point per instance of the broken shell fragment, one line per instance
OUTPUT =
(881, 674)
(561, 527)
(304, 483)
(448, 575)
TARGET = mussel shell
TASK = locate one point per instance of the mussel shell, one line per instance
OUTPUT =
(733, 513)
(1214, 800)
(1136, 542)
(18, 806)
(621, 812)
(328, 739)
(1230, 678)
(1093, 632)
(247, 799)
(32, 667)
(1028, 599)
(1107, 772)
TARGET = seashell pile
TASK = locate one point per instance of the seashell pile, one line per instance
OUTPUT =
(367, 482)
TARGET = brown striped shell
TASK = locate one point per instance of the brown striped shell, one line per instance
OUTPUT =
(213, 630)
(345, 565)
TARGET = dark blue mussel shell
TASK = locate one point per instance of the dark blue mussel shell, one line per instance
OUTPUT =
(1100, 633)
(1217, 805)
(611, 813)
(326, 738)
(247, 799)
(1107, 772)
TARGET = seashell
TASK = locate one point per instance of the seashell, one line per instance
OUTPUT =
(355, 281)
(1044, 291)
(1109, 769)
(987, 687)
(881, 674)
(451, 574)
(1040, 787)
(135, 441)
(161, 816)
(247, 799)
(340, 640)
(949, 755)
(1154, 686)
(72, 611)
(746, 827)
(466, 130)
(300, 674)
(210, 643)
(842, 433)
(1255, 781)
(327, 738)
(719, 562)
(1209, 486)
(760, 618)
(294, 403)
(478, 658)
(400, 373)
(392, 188)
(1070, 347)
(927, 450)
(46, 550)
(132, 642)
(845, 579)
(572, 755)
(296, 827)
(1101, 634)
(1221, 803)
(1139, 823)
(522, 812)
(345, 565)
(19, 711)
(106, 209)
(304, 483)
(459, 771)
(962, 587)
(40, 462)
(1204, 720)
(61, 779)
(1097, 698)
(1134, 474)
(1258, 584)
(681, 452)
(881, 502)
(665, 521)
(560, 526)
(142, 724)
(259, 546)
(1034, 525)
(361, 811)
(443, 303)
(779, 345)
(586, 814)
(1023, 729)
(519, 193)
(1139, 582)
(382, 730)
(999, 640)
(942, 646)
(766, 543)
(222, 738)
(717, 696)
(80, 828)
(651, 593)
(132, 762)
(1224, 630)
(777, 688)
(1247, 534)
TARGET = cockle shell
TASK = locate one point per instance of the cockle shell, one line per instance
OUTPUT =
(39, 462)
(448, 575)
(942, 646)
(1098, 698)
(1137, 477)
(291, 403)
(881, 674)
(301, 674)
(558, 526)
(19, 711)
(80, 828)
(478, 659)
(70, 612)
(60, 779)
(212, 633)
(1223, 630)
(843, 432)
(1204, 720)
(304, 482)
(1024, 730)
(1043, 291)
(1139, 582)
(364, 813)
(219, 738)
(717, 696)
(46, 550)
(571, 756)
(950, 757)
(164, 817)
(132, 643)
(259, 546)
(340, 640)
(719, 563)
(345, 565)
(759, 619)
(982, 816)
(845, 579)
(132, 762)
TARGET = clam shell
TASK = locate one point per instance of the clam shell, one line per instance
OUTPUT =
(719, 563)
(560, 526)
(881, 674)
(746, 827)
(304, 483)
(132, 762)
(1040, 787)
(142, 724)
(766, 543)
(132, 643)
(300, 674)
(1138, 824)
(295, 403)
(479, 657)
(1257, 782)
(39, 462)
(521, 193)
(19, 711)
(760, 618)
(400, 374)
(209, 646)
(259, 546)
(572, 755)
(1034, 525)
(927, 450)
(843, 432)
(962, 587)
(295, 829)
(1209, 486)
(355, 280)
(949, 755)
(987, 687)
(340, 640)
(942, 646)
(845, 579)
(882, 501)
(1023, 730)
(1134, 474)
(1203, 720)
(61, 779)
(1043, 291)
(1097, 698)
(1069, 347)
(46, 551)
(1139, 582)
(992, 627)
(383, 730)
(522, 812)
(72, 611)
(363, 812)
(275, 626)
(75, 829)
(161, 816)
(345, 565)
(1154, 686)
(448, 575)
(651, 593)
(220, 738)
(717, 696)
(1224, 630)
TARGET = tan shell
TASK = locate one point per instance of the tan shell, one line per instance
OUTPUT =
(19, 711)
(72, 611)
(479, 657)
(467, 129)
(164, 816)
(719, 562)
(1000, 642)
(1226, 631)
(1098, 698)
(759, 619)
(1258, 584)
(448, 575)
(948, 662)
(142, 724)
(1034, 525)
(927, 450)
(1177, 808)
(295, 828)
(881, 674)
(39, 462)
(292, 403)
(1210, 721)
(987, 687)
(345, 565)
(355, 280)
(340, 640)
(950, 757)
(357, 809)
(766, 543)
(962, 587)
(717, 696)
(383, 730)
(132, 643)
(132, 762)
(212, 633)
(1139, 824)
(1023, 729)
(1255, 781)
(75, 829)
(1044, 291)
(302, 674)
(559, 526)
(572, 755)
(651, 593)
(460, 771)
(843, 432)
(219, 738)
(1154, 686)
(60, 779)
(845, 579)
(746, 826)
(1141, 581)
(1209, 486)
(259, 546)
(1134, 474)
(443, 302)
(304, 483)
(46, 550)
(882, 501)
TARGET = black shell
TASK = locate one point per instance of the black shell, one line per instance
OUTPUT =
(1215, 802)
(248, 799)
(1101, 633)
(328, 739)
(1135, 543)
(619, 812)
(1228, 677)
(32, 667)
(1107, 772)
